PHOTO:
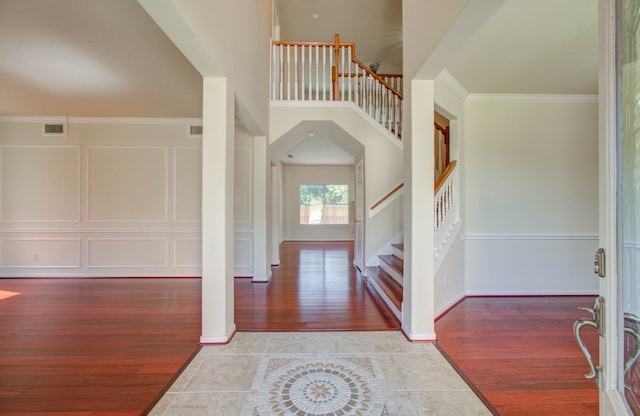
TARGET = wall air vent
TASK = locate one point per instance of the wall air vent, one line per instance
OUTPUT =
(195, 130)
(54, 129)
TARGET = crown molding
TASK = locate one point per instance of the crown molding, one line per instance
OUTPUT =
(533, 98)
(101, 120)
(33, 119)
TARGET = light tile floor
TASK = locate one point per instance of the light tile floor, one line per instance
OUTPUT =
(226, 379)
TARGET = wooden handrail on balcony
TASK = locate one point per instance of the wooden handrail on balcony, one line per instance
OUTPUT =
(327, 71)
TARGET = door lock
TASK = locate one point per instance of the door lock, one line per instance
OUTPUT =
(598, 262)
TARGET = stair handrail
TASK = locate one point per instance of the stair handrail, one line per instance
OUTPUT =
(385, 199)
(445, 175)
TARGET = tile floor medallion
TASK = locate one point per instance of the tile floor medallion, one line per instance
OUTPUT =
(319, 385)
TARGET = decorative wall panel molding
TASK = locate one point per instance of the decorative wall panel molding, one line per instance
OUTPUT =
(40, 253)
(126, 252)
(127, 184)
(187, 184)
(49, 185)
(187, 252)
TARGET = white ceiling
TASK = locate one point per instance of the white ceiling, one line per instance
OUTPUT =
(108, 57)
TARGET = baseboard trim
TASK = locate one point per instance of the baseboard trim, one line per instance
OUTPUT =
(530, 237)
(450, 305)
(520, 293)
(418, 337)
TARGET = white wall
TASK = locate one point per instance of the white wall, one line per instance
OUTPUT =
(111, 198)
(531, 195)
(295, 175)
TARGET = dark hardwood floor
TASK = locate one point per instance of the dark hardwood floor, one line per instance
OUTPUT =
(93, 346)
(314, 289)
(521, 355)
(107, 347)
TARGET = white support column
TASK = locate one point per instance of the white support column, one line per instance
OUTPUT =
(418, 312)
(261, 210)
(217, 211)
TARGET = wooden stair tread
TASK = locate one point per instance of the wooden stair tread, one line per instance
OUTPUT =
(393, 261)
(388, 284)
(398, 246)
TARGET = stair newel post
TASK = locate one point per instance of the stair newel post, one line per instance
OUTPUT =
(334, 69)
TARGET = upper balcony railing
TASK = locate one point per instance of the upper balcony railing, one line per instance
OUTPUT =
(319, 71)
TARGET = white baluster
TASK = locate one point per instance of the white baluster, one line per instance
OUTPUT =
(273, 72)
(281, 95)
(295, 73)
(324, 72)
(317, 69)
(302, 69)
(310, 76)
(341, 70)
(349, 61)
(288, 72)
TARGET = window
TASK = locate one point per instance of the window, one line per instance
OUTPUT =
(324, 204)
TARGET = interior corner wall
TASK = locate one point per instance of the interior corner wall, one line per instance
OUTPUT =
(108, 199)
(531, 197)
(295, 175)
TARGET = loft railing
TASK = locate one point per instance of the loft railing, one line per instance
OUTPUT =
(446, 207)
(325, 71)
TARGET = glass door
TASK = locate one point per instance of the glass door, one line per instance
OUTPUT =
(628, 200)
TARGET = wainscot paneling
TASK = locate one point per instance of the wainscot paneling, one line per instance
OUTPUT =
(127, 184)
(243, 253)
(30, 253)
(112, 198)
(49, 176)
(123, 252)
(187, 183)
(187, 252)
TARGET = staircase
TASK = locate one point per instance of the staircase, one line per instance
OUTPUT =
(386, 278)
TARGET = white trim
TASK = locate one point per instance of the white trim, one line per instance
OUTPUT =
(489, 293)
(430, 336)
(99, 230)
(450, 304)
(447, 79)
(101, 120)
(218, 340)
(533, 98)
(33, 119)
(262, 279)
(530, 237)
(134, 120)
